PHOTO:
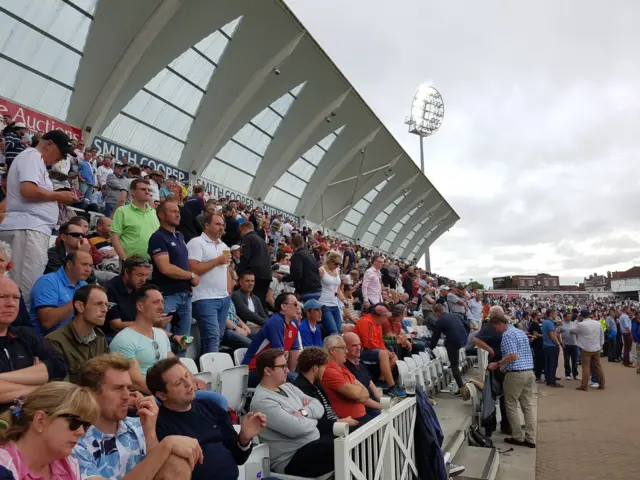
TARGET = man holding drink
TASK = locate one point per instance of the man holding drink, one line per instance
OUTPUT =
(209, 258)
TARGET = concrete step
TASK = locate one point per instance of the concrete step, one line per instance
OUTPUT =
(480, 463)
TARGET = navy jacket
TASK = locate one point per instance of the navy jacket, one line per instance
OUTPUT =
(451, 325)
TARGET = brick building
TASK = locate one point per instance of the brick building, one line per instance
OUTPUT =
(541, 281)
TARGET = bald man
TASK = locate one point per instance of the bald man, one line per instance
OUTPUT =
(28, 362)
(360, 371)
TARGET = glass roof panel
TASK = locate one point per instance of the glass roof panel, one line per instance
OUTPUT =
(213, 46)
(283, 200)
(169, 86)
(302, 169)
(296, 91)
(368, 238)
(374, 227)
(27, 88)
(314, 155)
(239, 156)
(283, 104)
(157, 113)
(133, 134)
(291, 184)
(88, 6)
(392, 236)
(194, 67)
(361, 206)
(230, 28)
(385, 246)
(347, 229)
(267, 120)
(252, 138)
(353, 217)
(225, 174)
(382, 217)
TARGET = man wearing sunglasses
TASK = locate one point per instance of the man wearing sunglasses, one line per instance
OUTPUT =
(79, 340)
(72, 239)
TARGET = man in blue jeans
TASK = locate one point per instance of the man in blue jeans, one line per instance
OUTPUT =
(171, 273)
(551, 345)
(209, 257)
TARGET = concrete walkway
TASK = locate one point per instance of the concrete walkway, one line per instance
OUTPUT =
(590, 435)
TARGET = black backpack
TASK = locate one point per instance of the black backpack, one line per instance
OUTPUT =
(477, 439)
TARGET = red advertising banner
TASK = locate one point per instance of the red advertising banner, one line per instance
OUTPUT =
(35, 121)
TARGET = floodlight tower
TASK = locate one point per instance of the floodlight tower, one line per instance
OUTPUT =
(427, 113)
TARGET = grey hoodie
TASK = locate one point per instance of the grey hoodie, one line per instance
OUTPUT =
(286, 433)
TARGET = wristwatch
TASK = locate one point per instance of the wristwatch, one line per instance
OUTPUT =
(303, 412)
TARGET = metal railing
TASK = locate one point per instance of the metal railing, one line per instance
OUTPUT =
(383, 449)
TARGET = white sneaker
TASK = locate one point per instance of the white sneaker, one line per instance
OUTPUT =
(577, 378)
(568, 377)
(455, 470)
(594, 385)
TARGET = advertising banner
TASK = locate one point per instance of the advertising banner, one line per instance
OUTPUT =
(35, 121)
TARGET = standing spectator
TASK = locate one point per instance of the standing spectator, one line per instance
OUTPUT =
(28, 361)
(310, 332)
(304, 271)
(51, 305)
(570, 351)
(133, 224)
(82, 339)
(535, 336)
(175, 188)
(255, 258)
(86, 177)
(104, 170)
(15, 142)
(455, 331)
(32, 211)
(195, 203)
(627, 339)
(116, 189)
(517, 364)
(349, 258)
(231, 227)
(475, 310)
(171, 274)
(371, 283)
(331, 294)
(156, 179)
(611, 334)
(209, 258)
(590, 339)
(287, 228)
(552, 345)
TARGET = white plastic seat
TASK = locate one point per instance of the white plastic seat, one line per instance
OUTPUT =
(238, 355)
(233, 385)
(215, 363)
(407, 379)
(190, 364)
(424, 372)
(431, 371)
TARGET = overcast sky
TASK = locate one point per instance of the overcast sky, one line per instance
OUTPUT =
(539, 150)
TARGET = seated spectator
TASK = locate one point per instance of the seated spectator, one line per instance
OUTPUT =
(280, 332)
(38, 437)
(403, 346)
(133, 224)
(295, 444)
(235, 255)
(81, 339)
(375, 352)
(248, 306)
(51, 305)
(453, 327)
(171, 274)
(101, 238)
(310, 330)
(121, 293)
(28, 361)
(236, 334)
(361, 372)
(127, 448)
(348, 397)
(145, 345)
(182, 414)
(5, 259)
(312, 365)
(209, 257)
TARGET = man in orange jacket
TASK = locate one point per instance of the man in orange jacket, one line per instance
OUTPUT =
(374, 351)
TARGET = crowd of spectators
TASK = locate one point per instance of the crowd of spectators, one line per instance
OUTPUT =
(105, 266)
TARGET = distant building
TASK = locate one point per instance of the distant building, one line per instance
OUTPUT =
(598, 283)
(626, 284)
(541, 281)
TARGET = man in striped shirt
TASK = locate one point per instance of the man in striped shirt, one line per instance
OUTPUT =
(517, 363)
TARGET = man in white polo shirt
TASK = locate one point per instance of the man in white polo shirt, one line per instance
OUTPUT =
(209, 258)
(32, 208)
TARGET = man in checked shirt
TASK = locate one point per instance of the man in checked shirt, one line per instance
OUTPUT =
(517, 363)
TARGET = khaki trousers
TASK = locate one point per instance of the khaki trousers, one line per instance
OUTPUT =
(586, 358)
(518, 389)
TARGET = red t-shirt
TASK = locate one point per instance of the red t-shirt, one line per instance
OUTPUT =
(334, 378)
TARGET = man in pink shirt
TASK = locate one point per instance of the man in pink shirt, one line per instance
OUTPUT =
(371, 284)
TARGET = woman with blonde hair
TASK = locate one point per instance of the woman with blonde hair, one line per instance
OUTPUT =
(331, 294)
(38, 434)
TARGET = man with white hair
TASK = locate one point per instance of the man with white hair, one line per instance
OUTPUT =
(489, 339)
(475, 311)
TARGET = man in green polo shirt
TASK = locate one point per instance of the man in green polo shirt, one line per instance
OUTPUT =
(134, 223)
(79, 340)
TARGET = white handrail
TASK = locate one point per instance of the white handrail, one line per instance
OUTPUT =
(382, 449)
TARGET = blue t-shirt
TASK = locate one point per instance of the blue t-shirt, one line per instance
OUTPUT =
(548, 325)
(308, 336)
(51, 290)
(86, 172)
(164, 242)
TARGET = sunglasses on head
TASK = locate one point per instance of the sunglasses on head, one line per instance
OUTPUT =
(76, 422)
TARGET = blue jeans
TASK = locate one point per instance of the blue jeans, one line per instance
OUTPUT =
(331, 320)
(85, 189)
(236, 340)
(181, 303)
(109, 208)
(211, 315)
(550, 364)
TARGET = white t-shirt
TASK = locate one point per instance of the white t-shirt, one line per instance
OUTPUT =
(213, 284)
(28, 166)
(155, 191)
(63, 166)
(103, 173)
(286, 229)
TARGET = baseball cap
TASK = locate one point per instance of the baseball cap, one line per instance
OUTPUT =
(19, 125)
(227, 208)
(235, 247)
(61, 140)
(312, 305)
(585, 313)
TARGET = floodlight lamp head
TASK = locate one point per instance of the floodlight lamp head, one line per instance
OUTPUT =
(427, 112)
